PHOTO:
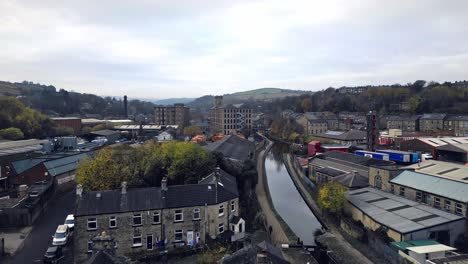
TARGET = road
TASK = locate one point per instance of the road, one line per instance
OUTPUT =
(40, 238)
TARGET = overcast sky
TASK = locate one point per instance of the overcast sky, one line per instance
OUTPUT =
(189, 48)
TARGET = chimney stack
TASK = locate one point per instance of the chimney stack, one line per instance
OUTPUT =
(124, 187)
(164, 184)
(217, 173)
(125, 107)
(79, 190)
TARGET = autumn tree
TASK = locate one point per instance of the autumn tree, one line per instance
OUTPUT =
(11, 133)
(192, 131)
(332, 197)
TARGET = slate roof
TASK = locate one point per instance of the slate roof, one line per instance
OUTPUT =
(248, 255)
(356, 159)
(432, 184)
(403, 118)
(350, 135)
(330, 171)
(457, 117)
(352, 180)
(151, 198)
(21, 146)
(398, 213)
(340, 165)
(233, 147)
(21, 166)
(105, 132)
(433, 116)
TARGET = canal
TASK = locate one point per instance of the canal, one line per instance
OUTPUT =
(286, 198)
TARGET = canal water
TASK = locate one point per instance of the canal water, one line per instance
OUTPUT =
(287, 200)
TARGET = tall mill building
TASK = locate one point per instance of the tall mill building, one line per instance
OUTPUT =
(228, 119)
(177, 114)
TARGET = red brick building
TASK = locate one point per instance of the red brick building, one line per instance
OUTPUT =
(71, 122)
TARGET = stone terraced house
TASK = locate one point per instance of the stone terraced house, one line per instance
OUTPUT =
(148, 221)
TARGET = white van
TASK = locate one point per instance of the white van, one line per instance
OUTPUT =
(60, 237)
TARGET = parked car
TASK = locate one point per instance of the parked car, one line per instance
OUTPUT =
(60, 237)
(70, 222)
(53, 255)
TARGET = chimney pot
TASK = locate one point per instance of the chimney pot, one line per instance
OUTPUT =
(124, 187)
(164, 184)
(79, 190)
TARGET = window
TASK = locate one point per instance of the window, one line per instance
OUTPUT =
(459, 208)
(378, 182)
(402, 191)
(221, 210)
(418, 196)
(137, 241)
(178, 235)
(90, 246)
(392, 188)
(92, 223)
(447, 205)
(196, 214)
(221, 228)
(437, 202)
(137, 221)
(112, 222)
(156, 218)
(233, 206)
(178, 216)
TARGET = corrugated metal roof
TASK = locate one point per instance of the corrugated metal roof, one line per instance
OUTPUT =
(431, 248)
(403, 245)
(63, 165)
(21, 166)
(436, 185)
(442, 169)
(398, 213)
(440, 141)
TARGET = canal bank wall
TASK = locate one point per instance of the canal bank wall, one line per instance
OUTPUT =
(277, 229)
(297, 177)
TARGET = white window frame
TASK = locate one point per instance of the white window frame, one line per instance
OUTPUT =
(159, 217)
(196, 211)
(112, 219)
(447, 205)
(90, 246)
(137, 216)
(220, 228)
(233, 205)
(178, 212)
(436, 202)
(458, 209)
(137, 237)
(221, 210)
(92, 221)
(181, 232)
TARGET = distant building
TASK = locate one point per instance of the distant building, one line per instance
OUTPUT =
(233, 148)
(229, 119)
(177, 114)
(165, 136)
(353, 90)
(111, 135)
(458, 124)
(71, 122)
(405, 123)
(432, 122)
(421, 251)
(447, 146)
(145, 221)
(261, 253)
(351, 137)
(312, 124)
(372, 137)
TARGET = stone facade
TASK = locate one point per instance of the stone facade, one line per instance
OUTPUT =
(379, 177)
(150, 232)
(178, 114)
(229, 119)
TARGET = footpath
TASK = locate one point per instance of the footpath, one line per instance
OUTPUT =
(334, 240)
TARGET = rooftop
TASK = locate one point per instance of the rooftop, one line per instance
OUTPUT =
(21, 146)
(398, 213)
(350, 135)
(433, 116)
(65, 118)
(440, 141)
(151, 198)
(403, 245)
(431, 248)
(337, 165)
(456, 259)
(233, 147)
(144, 127)
(352, 180)
(435, 185)
(442, 169)
(356, 159)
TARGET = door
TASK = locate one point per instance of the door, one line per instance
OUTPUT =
(149, 242)
(190, 238)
